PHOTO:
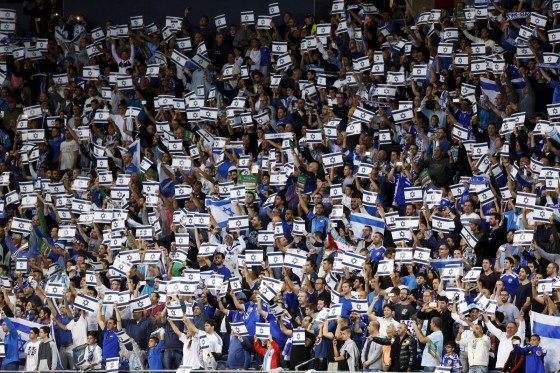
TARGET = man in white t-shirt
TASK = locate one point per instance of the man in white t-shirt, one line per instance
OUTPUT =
(191, 343)
(468, 214)
(69, 151)
(32, 350)
(214, 351)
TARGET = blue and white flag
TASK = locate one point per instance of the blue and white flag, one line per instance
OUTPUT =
(359, 305)
(385, 267)
(86, 303)
(275, 260)
(134, 149)
(361, 220)
(262, 330)
(238, 222)
(239, 328)
(295, 260)
(221, 211)
(490, 88)
(266, 238)
(55, 290)
(353, 261)
(421, 255)
(548, 328)
(23, 327)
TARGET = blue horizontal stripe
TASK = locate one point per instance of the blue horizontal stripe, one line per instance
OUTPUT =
(546, 330)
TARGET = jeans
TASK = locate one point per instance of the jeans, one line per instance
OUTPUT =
(10, 366)
(172, 359)
(478, 369)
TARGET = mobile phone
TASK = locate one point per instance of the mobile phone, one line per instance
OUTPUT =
(456, 100)
(399, 164)
(391, 295)
(466, 327)
(432, 305)
(142, 283)
(515, 342)
(144, 102)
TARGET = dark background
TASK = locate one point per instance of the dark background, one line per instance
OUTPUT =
(120, 11)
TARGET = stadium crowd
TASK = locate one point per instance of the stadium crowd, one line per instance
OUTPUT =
(372, 189)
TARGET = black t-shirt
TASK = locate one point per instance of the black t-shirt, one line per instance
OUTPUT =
(404, 312)
(522, 293)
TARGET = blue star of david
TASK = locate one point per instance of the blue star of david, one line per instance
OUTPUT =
(228, 211)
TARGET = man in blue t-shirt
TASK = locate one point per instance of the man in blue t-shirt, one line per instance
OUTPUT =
(110, 339)
(376, 253)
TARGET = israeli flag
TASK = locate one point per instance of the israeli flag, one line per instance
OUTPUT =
(523, 237)
(413, 194)
(221, 211)
(548, 328)
(86, 303)
(332, 160)
(295, 260)
(262, 330)
(239, 328)
(334, 312)
(55, 290)
(253, 257)
(473, 274)
(266, 238)
(404, 255)
(275, 260)
(353, 261)
(238, 222)
(451, 271)
(360, 220)
(385, 267)
(359, 305)
(421, 256)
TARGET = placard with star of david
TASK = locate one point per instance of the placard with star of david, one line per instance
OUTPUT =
(20, 225)
(110, 297)
(413, 194)
(275, 259)
(451, 271)
(526, 200)
(239, 328)
(294, 260)
(332, 160)
(253, 257)
(55, 290)
(441, 224)
(402, 115)
(238, 222)
(262, 330)
(359, 305)
(265, 238)
(141, 303)
(266, 293)
(353, 261)
(86, 303)
(385, 267)
(469, 237)
(473, 274)
(121, 267)
(401, 234)
(404, 255)
(523, 237)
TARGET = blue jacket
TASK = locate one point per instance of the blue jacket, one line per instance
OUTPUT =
(154, 357)
(533, 362)
(11, 342)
